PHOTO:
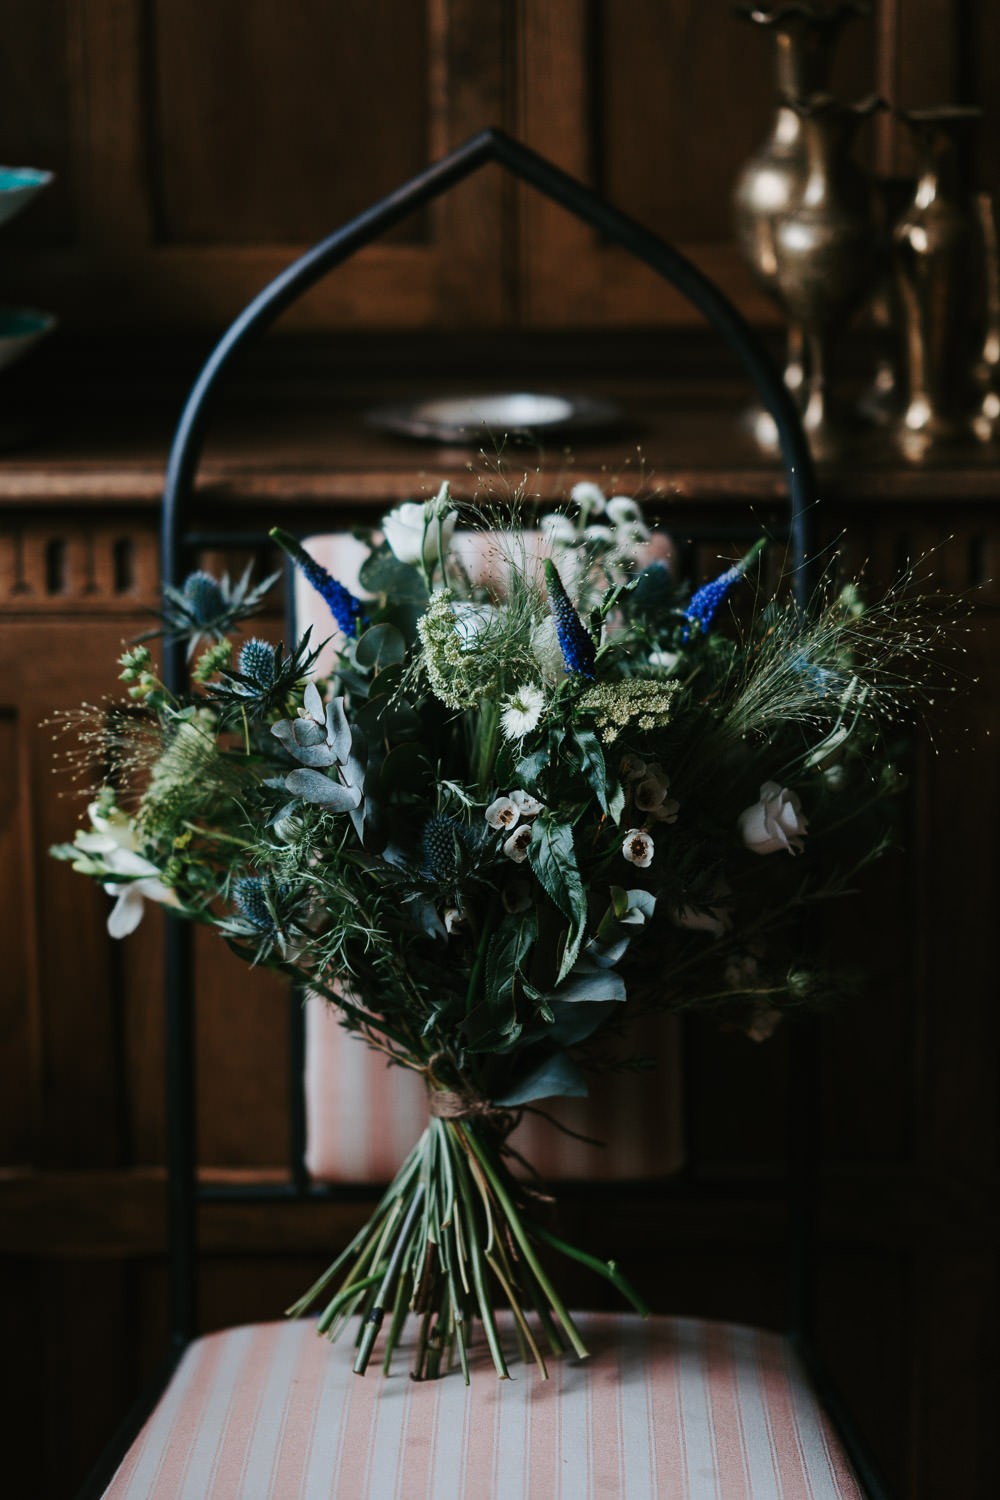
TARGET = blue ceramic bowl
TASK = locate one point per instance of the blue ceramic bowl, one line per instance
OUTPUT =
(18, 185)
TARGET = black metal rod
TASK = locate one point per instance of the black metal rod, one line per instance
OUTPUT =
(495, 146)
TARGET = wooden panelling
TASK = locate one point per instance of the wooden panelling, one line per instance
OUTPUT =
(319, 109)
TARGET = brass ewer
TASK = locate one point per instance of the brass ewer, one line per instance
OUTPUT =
(933, 248)
(772, 182)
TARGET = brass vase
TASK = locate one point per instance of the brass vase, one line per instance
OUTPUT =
(986, 422)
(772, 182)
(826, 254)
(933, 247)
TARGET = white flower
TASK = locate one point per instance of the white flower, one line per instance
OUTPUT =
(471, 620)
(516, 847)
(713, 919)
(602, 535)
(547, 651)
(144, 884)
(112, 830)
(623, 511)
(627, 519)
(522, 712)
(665, 660)
(631, 768)
(638, 848)
(528, 806)
(502, 813)
(414, 530)
(454, 921)
(558, 531)
(589, 497)
(773, 823)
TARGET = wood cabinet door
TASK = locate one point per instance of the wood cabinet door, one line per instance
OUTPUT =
(199, 148)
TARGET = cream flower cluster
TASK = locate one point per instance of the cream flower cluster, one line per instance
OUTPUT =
(515, 812)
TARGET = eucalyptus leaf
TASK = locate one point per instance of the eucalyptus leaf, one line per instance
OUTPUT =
(380, 646)
(338, 729)
(558, 1076)
(573, 1024)
(322, 790)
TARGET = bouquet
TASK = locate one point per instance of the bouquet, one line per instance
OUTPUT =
(530, 787)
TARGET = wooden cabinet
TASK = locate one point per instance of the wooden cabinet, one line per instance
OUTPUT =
(907, 1303)
(199, 148)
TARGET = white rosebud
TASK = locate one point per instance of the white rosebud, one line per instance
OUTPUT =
(454, 921)
(638, 848)
(516, 847)
(599, 535)
(650, 795)
(528, 806)
(414, 531)
(773, 823)
(502, 813)
(631, 768)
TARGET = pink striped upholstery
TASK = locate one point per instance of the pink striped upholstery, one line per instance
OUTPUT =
(665, 1409)
(362, 1118)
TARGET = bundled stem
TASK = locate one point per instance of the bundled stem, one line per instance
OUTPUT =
(447, 1240)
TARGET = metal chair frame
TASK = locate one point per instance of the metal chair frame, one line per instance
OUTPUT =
(178, 544)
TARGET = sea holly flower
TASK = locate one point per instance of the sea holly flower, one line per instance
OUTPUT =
(574, 639)
(516, 847)
(522, 712)
(421, 533)
(348, 611)
(638, 848)
(773, 823)
(256, 662)
(439, 847)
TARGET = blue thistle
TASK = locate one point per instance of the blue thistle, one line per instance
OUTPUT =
(706, 600)
(250, 894)
(575, 642)
(345, 608)
(204, 597)
(437, 845)
(256, 662)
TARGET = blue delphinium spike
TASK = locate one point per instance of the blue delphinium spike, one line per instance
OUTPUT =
(706, 600)
(345, 608)
(256, 661)
(574, 639)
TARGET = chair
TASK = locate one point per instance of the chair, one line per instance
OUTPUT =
(665, 1407)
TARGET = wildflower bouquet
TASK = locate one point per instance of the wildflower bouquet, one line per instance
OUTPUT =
(540, 790)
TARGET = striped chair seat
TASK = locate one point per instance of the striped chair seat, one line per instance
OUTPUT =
(669, 1407)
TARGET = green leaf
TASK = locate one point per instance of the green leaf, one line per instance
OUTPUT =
(553, 859)
(406, 768)
(509, 947)
(383, 573)
(558, 1075)
(380, 646)
(585, 749)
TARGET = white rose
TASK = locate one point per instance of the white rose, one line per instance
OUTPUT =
(414, 530)
(589, 497)
(558, 530)
(773, 823)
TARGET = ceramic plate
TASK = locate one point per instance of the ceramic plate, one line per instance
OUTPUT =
(493, 416)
